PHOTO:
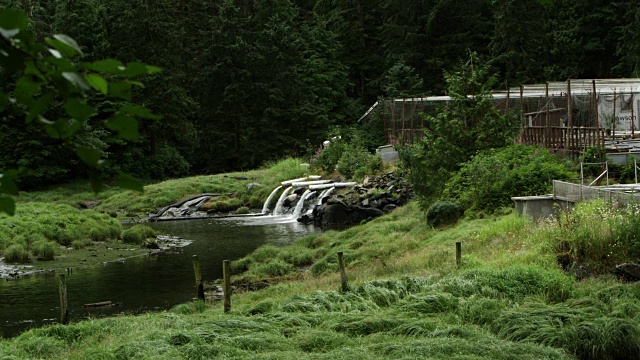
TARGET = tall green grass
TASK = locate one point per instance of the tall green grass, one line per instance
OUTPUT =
(600, 233)
(37, 229)
(412, 317)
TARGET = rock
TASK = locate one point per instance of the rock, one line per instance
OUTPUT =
(290, 199)
(252, 186)
(628, 271)
(389, 207)
(564, 260)
(374, 197)
(335, 216)
(87, 204)
(305, 219)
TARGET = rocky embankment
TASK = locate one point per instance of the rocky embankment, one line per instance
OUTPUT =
(374, 197)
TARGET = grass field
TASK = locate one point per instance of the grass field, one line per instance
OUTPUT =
(406, 297)
(406, 300)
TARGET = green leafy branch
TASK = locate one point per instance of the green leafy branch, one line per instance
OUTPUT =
(49, 75)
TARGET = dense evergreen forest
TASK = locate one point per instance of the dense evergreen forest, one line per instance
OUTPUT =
(246, 81)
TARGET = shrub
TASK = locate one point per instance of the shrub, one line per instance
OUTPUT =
(44, 250)
(355, 163)
(78, 244)
(489, 180)
(137, 234)
(443, 213)
(99, 233)
(16, 254)
(329, 157)
(243, 210)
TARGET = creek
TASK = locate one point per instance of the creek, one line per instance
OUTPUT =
(153, 282)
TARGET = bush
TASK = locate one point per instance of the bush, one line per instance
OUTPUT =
(355, 163)
(243, 210)
(443, 213)
(44, 250)
(489, 180)
(137, 234)
(16, 254)
(78, 244)
(328, 158)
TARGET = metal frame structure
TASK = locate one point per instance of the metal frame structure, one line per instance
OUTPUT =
(570, 115)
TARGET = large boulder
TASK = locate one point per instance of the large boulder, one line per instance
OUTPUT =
(629, 271)
(335, 215)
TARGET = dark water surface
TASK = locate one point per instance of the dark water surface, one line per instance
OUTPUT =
(153, 282)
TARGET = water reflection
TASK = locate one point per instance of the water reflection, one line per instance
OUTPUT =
(152, 282)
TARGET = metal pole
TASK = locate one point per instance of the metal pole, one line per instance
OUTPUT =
(570, 115)
(384, 121)
(508, 98)
(595, 108)
(613, 120)
(633, 118)
(404, 140)
(522, 105)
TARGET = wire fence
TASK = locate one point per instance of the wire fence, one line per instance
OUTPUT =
(577, 192)
(571, 115)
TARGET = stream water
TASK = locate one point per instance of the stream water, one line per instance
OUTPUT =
(140, 284)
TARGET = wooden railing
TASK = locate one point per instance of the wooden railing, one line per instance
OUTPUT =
(574, 139)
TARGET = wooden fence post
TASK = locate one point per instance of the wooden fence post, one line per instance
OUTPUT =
(458, 253)
(198, 273)
(343, 273)
(226, 285)
(64, 309)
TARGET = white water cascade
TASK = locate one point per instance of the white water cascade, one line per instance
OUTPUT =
(278, 209)
(324, 194)
(265, 207)
(300, 205)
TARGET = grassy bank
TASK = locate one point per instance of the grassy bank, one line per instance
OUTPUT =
(509, 300)
(69, 225)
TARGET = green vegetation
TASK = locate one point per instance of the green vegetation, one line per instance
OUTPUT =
(443, 213)
(321, 65)
(39, 228)
(406, 299)
(138, 234)
(490, 178)
(232, 187)
(601, 235)
(467, 124)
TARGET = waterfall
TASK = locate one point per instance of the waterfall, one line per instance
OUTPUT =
(300, 205)
(278, 209)
(324, 194)
(265, 208)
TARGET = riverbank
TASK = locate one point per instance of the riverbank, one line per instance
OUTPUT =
(69, 226)
(509, 299)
